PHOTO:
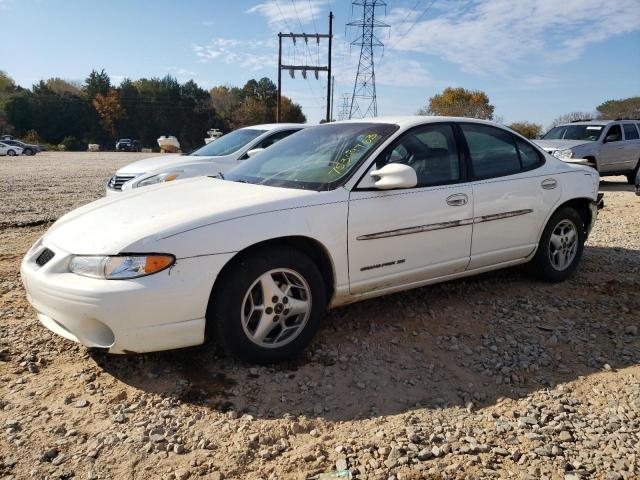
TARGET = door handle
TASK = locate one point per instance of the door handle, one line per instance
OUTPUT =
(457, 199)
(549, 183)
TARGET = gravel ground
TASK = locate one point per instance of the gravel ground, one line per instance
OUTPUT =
(497, 376)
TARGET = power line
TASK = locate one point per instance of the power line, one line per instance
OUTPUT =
(283, 17)
(297, 16)
(313, 17)
(413, 24)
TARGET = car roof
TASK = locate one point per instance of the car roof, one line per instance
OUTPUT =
(406, 121)
(604, 121)
(274, 126)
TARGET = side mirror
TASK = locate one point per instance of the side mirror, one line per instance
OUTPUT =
(611, 138)
(254, 152)
(394, 175)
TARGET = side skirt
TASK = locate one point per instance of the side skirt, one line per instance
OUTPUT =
(344, 297)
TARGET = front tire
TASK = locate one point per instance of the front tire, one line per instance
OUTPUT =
(11, 153)
(560, 247)
(268, 305)
(29, 152)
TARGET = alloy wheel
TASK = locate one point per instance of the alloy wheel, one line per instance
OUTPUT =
(276, 308)
(563, 245)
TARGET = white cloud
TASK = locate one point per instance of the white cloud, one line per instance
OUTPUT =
(287, 15)
(248, 54)
(499, 35)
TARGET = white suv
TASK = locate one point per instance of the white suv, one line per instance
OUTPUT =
(611, 147)
(213, 159)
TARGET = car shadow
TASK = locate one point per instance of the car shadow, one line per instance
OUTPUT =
(466, 343)
(616, 186)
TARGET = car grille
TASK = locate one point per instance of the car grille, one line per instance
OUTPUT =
(117, 181)
(44, 257)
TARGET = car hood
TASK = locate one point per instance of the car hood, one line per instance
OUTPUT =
(135, 221)
(559, 144)
(165, 161)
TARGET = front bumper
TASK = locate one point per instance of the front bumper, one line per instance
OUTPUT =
(158, 312)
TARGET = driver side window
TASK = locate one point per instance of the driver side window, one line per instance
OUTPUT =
(430, 150)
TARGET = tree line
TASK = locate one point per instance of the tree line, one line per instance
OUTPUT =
(460, 102)
(75, 114)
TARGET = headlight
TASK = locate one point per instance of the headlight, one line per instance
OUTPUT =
(564, 154)
(160, 178)
(119, 266)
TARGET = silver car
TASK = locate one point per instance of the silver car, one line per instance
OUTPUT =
(611, 147)
(215, 158)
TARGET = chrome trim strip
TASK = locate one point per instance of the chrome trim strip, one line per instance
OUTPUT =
(442, 225)
(418, 229)
(500, 216)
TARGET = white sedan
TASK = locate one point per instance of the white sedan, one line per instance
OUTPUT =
(214, 158)
(10, 150)
(334, 214)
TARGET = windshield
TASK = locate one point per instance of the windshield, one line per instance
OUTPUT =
(229, 143)
(589, 133)
(316, 158)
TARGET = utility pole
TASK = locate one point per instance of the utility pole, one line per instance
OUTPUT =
(364, 101)
(329, 77)
(333, 91)
(305, 68)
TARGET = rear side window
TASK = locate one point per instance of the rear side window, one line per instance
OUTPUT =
(493, 151)
(630, 132)
(529, 156)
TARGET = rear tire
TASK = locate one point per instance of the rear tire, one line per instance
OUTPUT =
(560, 247)
(268, 306)
(631, 178)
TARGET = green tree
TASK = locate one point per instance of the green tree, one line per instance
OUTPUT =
(291, 112)
(527, 129)
(459, 102)
(226, 101)
(97, 83)
(624, 108)
(7, 88)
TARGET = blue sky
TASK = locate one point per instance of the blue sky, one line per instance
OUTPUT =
(536, 59)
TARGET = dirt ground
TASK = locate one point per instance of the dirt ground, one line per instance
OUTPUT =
(497, 376)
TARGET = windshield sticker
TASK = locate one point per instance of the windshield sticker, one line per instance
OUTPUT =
(594, 128)
(341, 165)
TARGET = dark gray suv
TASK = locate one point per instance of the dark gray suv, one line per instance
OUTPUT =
(610, 146)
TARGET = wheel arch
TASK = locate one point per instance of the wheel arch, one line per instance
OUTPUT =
(311, 247)
(582, 205)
